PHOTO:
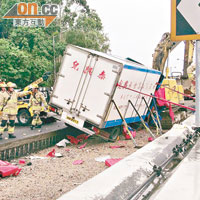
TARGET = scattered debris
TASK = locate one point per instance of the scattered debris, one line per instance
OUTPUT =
(73, 140)
(22, 162)
(7, 169)
(82, 146)
(51, 153)
(58, 155)
(102, 158)
(110, 162)
(150, 139)
(126, 135)
(37, 157)
(29, 164)
(78, 162)
(63, 143)
(68, 150)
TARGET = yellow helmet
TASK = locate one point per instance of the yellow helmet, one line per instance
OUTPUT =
(35, 86)
(3, 84)
(11, 85)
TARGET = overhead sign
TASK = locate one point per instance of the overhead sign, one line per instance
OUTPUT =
(185, 20)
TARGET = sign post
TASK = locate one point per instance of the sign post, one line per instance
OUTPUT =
(197, 76)
(185, 25)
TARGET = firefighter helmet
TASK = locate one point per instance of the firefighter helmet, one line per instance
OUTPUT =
(3, 84)
(11, 85)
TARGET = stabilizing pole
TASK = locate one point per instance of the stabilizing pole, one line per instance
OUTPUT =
(156, 109)
(142, 120)
(152, 116)
(125, 124)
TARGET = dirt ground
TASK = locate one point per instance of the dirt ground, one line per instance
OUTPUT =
(49, 178)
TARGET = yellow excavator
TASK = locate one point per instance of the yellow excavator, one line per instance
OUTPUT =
(183, 83)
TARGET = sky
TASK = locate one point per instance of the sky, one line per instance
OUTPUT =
(135, 27)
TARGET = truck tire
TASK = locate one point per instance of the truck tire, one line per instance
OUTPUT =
(24, 117)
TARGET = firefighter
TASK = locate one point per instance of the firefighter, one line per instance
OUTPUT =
(3, 93)
(9, 108)
(37, 101)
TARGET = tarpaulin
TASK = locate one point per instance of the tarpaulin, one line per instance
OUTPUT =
(160, 93)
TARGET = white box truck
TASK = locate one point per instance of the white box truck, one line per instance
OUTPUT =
(89, 81)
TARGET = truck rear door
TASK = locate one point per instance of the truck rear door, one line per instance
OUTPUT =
(85, 85)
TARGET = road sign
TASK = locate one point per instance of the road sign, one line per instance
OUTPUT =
(185, 23)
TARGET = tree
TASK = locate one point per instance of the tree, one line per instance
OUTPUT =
(88, 32)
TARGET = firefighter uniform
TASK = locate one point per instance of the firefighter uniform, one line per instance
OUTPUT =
(36, 102)
(9, 108)
(3, 93)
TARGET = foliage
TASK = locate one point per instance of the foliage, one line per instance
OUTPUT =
(26, 53)
(88, 32)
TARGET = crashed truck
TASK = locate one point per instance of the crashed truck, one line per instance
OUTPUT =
(92, 87)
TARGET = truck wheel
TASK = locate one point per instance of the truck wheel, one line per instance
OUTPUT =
(24, 117)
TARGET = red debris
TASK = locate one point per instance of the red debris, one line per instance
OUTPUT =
(82, 146)
(112, 161)
(21, 161)
(67, 150)
(78, 162)
(150, 139)
(83, 137)
(126, 135)
(7, 169)
(73, 140)
(51, 153)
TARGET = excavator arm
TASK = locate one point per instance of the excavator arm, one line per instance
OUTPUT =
(188, 57)
(162, 51)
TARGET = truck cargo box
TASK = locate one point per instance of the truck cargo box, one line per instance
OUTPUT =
(87, 83)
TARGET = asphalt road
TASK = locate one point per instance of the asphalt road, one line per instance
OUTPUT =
(23, 132)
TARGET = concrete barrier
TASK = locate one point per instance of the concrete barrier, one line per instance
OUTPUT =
(123, 178)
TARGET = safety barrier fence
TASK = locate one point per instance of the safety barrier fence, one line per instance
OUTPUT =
(24, 147)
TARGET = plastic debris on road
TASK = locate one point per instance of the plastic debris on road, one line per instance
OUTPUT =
(58, 155)
(73, 140)
(51, 153)
(112, 161)
(68, 150)
(150, 139)
(63, 143)
(37, 158)
(78, 162)
(22, 162)
(126, 135)
(7, 169)
(102, 158)
(82, 146)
